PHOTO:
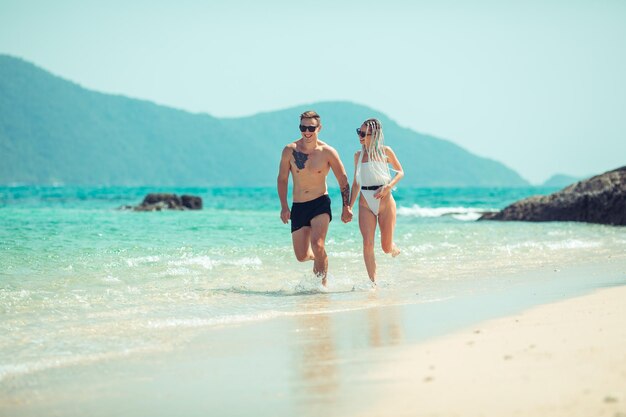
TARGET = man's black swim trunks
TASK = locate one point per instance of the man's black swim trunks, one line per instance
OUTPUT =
(302, 213)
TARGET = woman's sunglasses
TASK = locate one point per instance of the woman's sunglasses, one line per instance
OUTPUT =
(309, 128)
(360, 133)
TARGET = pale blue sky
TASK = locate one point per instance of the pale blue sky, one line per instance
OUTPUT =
(537, 85)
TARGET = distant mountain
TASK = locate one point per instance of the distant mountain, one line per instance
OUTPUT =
(55, 131)
(560, 180)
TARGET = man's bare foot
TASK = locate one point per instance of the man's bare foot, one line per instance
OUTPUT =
(323, 276)
(395, 251)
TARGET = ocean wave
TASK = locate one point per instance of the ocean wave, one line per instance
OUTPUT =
(187, 265)
(111, 279)
(573, 244)
(132, 262)
(458, 213)
(236, 319)
(179, 272)
(202, 261)
(208, 263)
(8, 370)
(250, 262)
(193, 322)
(553, 245)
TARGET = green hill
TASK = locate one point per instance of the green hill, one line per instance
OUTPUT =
(560, 180)
(55, 131)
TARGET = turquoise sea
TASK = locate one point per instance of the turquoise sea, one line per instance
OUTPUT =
(83, 282)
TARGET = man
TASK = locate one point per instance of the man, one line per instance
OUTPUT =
(308, 159)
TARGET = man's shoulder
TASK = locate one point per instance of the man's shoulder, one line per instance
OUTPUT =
(291, 146)
(325, 147)
(330, 153)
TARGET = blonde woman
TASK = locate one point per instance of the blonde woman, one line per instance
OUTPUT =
(373, 183)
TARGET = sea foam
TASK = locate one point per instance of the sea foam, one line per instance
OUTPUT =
(458, 213)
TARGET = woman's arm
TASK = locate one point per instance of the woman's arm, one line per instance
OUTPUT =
(395, 163)
(355, 191)
(393, 160)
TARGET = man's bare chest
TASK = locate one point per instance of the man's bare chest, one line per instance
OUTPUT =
(307, 163)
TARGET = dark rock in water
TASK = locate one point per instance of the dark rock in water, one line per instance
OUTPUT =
(600, 199)
(192, 202)
(489, 215)
(167, 201)
(171, 201)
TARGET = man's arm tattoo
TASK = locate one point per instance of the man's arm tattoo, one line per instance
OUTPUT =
(345, 194)
(300, 158)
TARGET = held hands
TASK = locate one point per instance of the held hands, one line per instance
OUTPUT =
(382, 192)
(346, 214)
(285, 215)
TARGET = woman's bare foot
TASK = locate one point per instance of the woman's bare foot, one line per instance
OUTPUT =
(395, 251)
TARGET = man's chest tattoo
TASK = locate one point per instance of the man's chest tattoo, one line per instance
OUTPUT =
(300, 158)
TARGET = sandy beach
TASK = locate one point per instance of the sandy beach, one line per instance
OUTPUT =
(565, 358)
(562, 359)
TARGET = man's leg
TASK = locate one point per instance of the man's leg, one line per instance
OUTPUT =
(301, 239)
(319, 227)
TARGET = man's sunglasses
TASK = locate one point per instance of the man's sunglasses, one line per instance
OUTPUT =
(361, 133)
(309, 128)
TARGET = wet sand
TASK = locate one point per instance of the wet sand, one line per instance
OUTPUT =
(561, 359)
(565, 358)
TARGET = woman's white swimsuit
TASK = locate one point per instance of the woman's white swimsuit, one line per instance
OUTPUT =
(371, 182)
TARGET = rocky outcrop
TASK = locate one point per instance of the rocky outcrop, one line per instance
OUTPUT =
(191, 202)
(167, 201)
(600, 199)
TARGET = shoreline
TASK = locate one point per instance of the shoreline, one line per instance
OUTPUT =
(565, 358)
(466, 356)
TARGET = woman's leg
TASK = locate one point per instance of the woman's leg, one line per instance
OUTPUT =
(387, 223)
(367, 224)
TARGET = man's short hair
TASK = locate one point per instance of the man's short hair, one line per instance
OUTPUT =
(311, 115)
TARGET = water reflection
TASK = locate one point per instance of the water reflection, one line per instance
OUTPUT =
(331, 351)
(315, 356)
(383, 323)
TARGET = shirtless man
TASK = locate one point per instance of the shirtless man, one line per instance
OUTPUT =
(308, 159)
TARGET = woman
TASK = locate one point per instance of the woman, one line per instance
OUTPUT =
(373, 182)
